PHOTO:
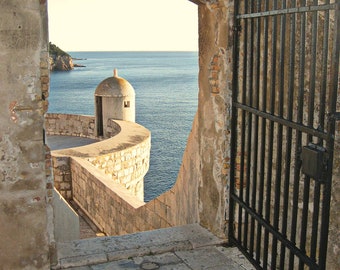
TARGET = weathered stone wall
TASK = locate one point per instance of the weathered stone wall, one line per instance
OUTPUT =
(127, 167)
(69, 125)
(115, 210)
(77, 125)
(213, 116)
(25, 212)
(124, 158)
(109, 204)
(333, 258)
(62, 175)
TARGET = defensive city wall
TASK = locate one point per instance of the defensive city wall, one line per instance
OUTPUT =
(105, 178)
(76, 125)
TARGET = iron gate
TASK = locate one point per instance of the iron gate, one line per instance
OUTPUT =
(286, 64)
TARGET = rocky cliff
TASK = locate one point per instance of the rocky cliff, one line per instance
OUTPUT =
(61, 63)
(59, 60)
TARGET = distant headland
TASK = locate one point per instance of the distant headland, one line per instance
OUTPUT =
(60, 60)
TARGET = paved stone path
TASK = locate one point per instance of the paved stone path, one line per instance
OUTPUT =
(187, 247)
(56, 142)
(87, 228)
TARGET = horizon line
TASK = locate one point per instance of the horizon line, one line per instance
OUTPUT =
(132, 51)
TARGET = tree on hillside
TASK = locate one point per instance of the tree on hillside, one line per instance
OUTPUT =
(55, 50)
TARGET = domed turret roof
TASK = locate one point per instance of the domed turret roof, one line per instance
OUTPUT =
(114, 87)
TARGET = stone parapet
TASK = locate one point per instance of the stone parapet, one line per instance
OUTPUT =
(126, 167)
(76, 125)
(106, 180)
(69, 125)
(113, 208)
(122, 160)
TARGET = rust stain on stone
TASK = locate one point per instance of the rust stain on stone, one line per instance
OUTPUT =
(36, 199)
(12, 106)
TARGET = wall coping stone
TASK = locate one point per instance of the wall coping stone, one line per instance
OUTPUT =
(131, 134)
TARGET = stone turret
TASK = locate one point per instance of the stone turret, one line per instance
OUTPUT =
(114, 99)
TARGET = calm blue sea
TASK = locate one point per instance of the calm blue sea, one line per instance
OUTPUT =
(166, 85)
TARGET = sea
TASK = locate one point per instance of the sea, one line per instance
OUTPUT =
(166, 86)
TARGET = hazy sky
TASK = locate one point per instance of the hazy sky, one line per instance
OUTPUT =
(123, 25)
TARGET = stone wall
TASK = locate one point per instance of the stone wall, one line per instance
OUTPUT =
(91, 179)
(115, 210)
(109, 205)
(121, 163)
(214, 112)
(62, 175)
(127, 167)
(25, 197)
(76, 125)
(333, 258)
(93, 183)
(69, 125)
(124, 158)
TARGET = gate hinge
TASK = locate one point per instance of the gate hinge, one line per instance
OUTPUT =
(237, 28)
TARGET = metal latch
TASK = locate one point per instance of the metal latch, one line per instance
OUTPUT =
(337, 116)
(313, 161)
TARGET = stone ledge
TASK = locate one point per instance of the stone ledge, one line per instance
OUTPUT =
(131, 134)
(211, 257)
(105, 249)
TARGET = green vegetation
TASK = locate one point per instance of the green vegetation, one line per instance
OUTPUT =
(55, 50)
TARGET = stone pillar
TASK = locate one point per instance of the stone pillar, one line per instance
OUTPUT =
(24, 199)
(214, 112)
(333, 258)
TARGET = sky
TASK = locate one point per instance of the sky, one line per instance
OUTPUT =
(123, 25)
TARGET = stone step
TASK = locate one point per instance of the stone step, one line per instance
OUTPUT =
(94, 251)
(204, 258)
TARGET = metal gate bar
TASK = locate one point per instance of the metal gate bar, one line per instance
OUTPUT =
(286, 11)
(283, 121)
(283, 114)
